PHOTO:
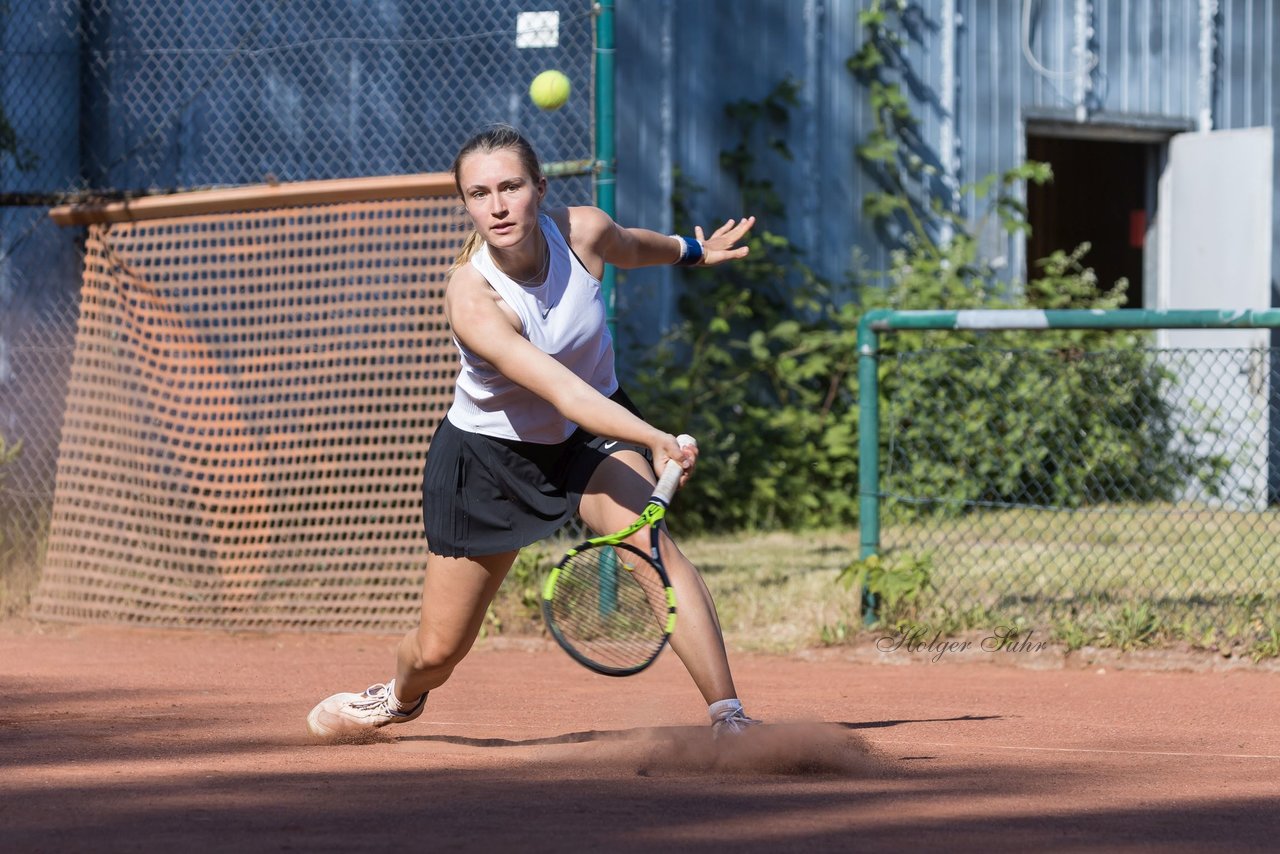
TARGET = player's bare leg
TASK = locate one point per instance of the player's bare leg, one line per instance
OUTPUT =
(455, 596)
(615, 496)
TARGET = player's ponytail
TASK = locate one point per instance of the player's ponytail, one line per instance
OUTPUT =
(469, 247)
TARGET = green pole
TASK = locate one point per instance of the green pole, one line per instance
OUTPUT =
(868, 437)
(605, 184)
(989, 320)
(869, 448)
(605, 176)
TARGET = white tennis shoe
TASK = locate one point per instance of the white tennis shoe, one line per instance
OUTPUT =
(733, 724)
(359, 714)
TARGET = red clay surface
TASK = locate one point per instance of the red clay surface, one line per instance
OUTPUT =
(144, 740)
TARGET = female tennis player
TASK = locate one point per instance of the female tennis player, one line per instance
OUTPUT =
(538, 428)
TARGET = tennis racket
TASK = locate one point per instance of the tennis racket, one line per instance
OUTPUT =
(607, 603)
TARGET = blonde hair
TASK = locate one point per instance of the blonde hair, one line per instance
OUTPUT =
(469, 247)
(498, 137)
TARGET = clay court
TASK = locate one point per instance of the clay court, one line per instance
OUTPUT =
(116, 739)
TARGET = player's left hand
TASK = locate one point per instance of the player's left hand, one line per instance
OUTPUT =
(722, 245)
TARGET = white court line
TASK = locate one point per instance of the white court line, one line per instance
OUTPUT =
(1082, 750)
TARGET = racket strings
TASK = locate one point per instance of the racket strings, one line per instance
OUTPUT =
(611, 606)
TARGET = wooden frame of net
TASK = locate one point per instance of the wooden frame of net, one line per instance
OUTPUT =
(257, 376)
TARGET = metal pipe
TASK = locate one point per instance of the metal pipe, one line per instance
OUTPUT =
(869, 446)
(1121, 318)
(869, 431)
(605, 182)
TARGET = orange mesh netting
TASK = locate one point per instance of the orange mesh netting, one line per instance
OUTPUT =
(250, 403)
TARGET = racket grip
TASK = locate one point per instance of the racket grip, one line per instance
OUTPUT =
(670, 479)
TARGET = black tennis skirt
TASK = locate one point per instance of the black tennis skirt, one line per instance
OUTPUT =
(482, 495)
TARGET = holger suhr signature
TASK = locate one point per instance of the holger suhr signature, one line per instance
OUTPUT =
(918, 639)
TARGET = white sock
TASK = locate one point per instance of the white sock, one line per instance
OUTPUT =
(721, 709)
(395, 706)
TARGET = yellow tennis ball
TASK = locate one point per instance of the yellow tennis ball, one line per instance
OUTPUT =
(549, 90)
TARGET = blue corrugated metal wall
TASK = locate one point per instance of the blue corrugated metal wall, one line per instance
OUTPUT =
(680, 62)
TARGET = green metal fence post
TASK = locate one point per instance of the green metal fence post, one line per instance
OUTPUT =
(605, 183)
(869, 447)
(605, 171)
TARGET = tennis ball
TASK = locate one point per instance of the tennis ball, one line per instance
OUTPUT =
(549, 90)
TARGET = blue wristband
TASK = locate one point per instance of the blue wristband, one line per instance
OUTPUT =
(692, 254)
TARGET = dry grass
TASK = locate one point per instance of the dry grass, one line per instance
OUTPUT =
(18, 581)
(776, 591)
(1210, 577)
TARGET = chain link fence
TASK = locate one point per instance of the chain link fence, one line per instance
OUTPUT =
(36, 356)
(112, 96)
(113, 99)
(1124, 492)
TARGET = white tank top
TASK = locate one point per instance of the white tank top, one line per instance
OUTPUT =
(564, 317)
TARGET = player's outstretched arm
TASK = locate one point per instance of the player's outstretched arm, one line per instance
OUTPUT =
(598, 235)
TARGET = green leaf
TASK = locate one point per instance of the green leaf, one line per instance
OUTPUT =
(878, 149)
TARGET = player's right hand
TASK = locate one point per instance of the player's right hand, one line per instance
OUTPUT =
(669, 449)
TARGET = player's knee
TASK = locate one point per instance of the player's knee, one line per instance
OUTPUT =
(435, 655)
